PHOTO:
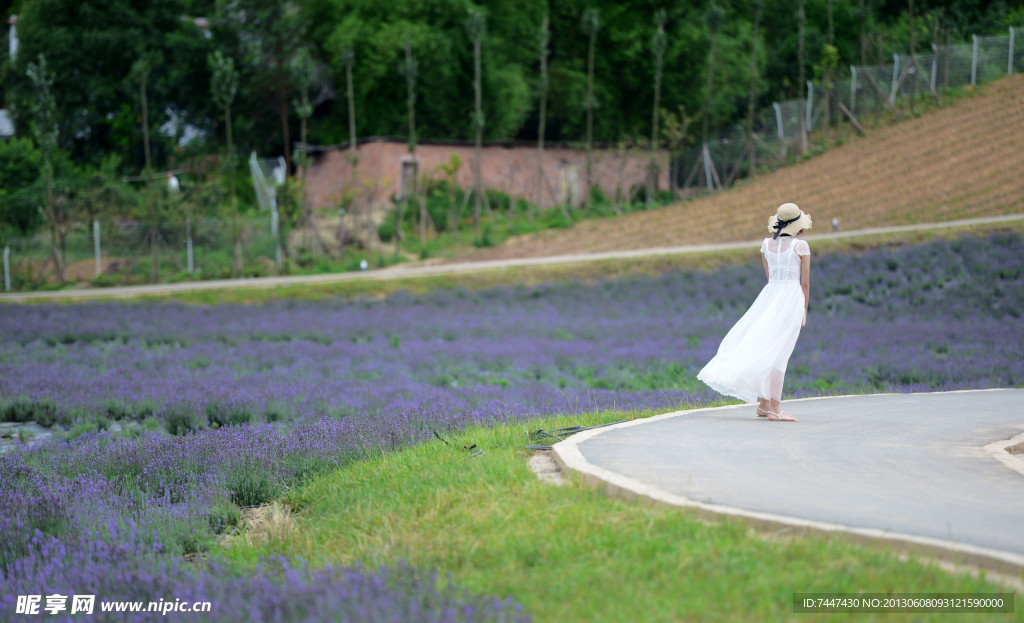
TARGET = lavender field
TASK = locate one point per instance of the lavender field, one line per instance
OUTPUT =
(217, 407)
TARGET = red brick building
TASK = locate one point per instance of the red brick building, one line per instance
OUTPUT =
(509, 167)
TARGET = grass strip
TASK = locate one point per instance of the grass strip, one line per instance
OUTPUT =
(586, 271)
(571, 553)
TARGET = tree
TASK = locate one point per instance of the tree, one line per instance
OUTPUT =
(752, 95)
(410, 68)
(20, 192)
(713, 18)
(269, 35)
(591, 25)
(303, 72)
(140, 74)
(658, 46)
(801, 17)
(475, 25)
(223, 87)
(46, 131)
(542, 88)
(348, 59)
(95, 42)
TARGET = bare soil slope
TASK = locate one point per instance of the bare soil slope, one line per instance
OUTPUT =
(965, 160)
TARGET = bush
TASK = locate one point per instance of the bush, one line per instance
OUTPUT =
(386, 230)
(44, 412)
(178, 420)
(218, 414)
(251, 487)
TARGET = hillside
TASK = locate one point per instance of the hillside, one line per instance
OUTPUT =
(964, 160)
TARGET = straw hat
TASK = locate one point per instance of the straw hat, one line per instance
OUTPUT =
(788, 219)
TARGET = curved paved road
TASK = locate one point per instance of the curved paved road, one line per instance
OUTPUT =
(908, 467)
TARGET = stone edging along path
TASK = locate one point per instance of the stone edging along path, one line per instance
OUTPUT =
(424, 270)
(649, 480)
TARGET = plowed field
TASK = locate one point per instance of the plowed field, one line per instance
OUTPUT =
(961, 161)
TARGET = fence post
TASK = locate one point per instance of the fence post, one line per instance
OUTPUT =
(706, 156)
(810, 107)
(935, 64)
(188, 243)
(974, 62)
(7, 269)
(274, 225)
(96, 246)
(895, 77)
(1009, 60)
(853, 89)
(782, 133)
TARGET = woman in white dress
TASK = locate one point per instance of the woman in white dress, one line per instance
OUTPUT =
(752, 359)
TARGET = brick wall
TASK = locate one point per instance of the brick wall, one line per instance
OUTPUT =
(512, 169)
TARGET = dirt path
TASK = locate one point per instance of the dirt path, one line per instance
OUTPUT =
(407, 271)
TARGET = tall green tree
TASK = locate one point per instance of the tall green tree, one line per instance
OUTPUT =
(658, 47)
(713, 18)
(20, 191)
(223, 88)
(542, 89)
(591, 22)
(475, 24)
(303, 73)
(267, 35)
(446, 63)
(752, 93)
(95, 43)
(46, 131)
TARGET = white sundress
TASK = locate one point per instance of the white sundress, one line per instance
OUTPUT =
(763, 339)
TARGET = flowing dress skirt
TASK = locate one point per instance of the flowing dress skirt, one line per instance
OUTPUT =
(759, 344)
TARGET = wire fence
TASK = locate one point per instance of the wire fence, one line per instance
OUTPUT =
(137, 253)
(133, 252)
(868, 92)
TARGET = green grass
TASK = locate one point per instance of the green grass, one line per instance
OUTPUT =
(573, 553)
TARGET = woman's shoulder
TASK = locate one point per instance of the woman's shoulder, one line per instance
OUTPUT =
(801, 247)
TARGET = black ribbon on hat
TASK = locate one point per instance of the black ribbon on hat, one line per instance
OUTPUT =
(781, 224)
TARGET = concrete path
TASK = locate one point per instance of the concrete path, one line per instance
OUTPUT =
(934, 471)
(426, 269)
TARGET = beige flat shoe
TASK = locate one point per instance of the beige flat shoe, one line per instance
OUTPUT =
(781, 416)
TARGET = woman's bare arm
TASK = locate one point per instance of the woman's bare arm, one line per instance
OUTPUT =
(764, 262)
(805, 281)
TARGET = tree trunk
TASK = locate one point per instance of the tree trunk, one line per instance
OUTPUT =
(154, 256)
(237, 267)
(282, 112)
(353, 148)
(913, 60)
(752, 94)
(652, 171)
(710, 85)
(58, 263)
(829, 78)
(863, 33)
(231, 151)
(590, 122)
(543, 114)
(478, 122)
(145, 127)
(800, 78)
